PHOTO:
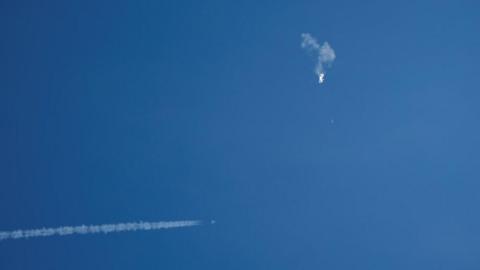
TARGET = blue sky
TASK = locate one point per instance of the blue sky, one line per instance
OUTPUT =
(117, 111)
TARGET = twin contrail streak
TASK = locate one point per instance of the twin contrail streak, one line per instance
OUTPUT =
(103, 228)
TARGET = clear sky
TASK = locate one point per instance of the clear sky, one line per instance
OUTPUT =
(115, 111)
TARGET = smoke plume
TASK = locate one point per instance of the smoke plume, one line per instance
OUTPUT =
(325, 54)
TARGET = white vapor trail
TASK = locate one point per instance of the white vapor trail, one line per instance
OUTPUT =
(92, 229)
(326, 55)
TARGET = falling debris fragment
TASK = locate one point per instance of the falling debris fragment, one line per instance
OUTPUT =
(321, 77)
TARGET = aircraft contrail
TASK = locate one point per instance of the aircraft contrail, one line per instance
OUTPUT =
(103, 228)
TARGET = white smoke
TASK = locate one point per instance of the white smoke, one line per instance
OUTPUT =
(104, 228)
(325, 54)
